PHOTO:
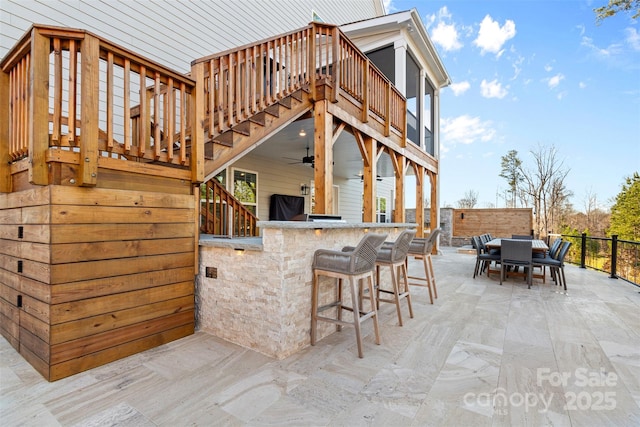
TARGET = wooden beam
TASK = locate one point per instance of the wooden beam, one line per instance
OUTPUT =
(370, 173)
(89, 130)
(198, 124)
(433, 211)
(399, 166)
(323, 152)
(420, 171)
(5, 166)
(39, 109)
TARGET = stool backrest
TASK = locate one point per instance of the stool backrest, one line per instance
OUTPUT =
(423, 246)
(364, 255)
(401, 245)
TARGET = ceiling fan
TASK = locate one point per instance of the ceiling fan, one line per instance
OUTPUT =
(361, 176)
(306, 160)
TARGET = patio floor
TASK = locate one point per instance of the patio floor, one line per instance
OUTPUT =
(484, 354)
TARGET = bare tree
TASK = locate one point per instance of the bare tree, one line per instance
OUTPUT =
(543, 187)
(469, 200)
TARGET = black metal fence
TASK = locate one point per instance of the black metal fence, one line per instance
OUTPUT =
(619, 258)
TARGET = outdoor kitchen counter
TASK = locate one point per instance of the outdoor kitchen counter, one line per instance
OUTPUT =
(258, 293)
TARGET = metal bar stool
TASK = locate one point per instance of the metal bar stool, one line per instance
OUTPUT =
(394, 256)
(421, 248)
(355, 265)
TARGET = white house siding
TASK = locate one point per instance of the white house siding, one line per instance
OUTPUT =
(175, 32)
(279, 177)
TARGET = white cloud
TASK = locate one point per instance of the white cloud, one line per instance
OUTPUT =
(582, 85)
(445, 34)
(601, 52)
(633, 38)
(491, 36)
(460, 88)
(389, 7)
(562, 94)
(581, 28)
(554, 81)
(548, 68)
(492, 89)
(517, 67)
(465, 130)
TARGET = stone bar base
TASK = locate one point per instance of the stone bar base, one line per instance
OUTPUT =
(260, 295)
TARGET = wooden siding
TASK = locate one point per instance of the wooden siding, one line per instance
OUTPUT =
(497, 222)
(88, 276)
(144, 26)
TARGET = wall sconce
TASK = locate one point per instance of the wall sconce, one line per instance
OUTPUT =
(302, 133)
(239, 251)
(304, 189)
(462, 215)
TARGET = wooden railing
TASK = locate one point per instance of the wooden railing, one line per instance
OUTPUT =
(222, 214)
(238, 83)
(74, 92)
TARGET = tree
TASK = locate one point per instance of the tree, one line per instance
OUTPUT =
(625, 213)
(543, 187)
(615, 6)
(511, 171)
(469, 200)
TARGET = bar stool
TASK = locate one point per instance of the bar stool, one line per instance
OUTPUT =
(421, 248)
(355, 265)
(394, 256)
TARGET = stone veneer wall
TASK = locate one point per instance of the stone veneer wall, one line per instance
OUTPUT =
(261, 298)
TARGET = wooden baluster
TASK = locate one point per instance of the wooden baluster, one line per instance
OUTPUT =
(143, 118)
(73, 73)
(157, 145)
(183, 125)
(127, 105)
(110, 79)
(57, 91)
(170, 118)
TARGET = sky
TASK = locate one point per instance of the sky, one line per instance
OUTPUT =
(530, 75)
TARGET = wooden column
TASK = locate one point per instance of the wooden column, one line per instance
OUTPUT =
(5, 167)
(419, 171)
(39, 109)
(400, 167)
(368, 150)
(433, 211)
(197, 123)
(90, 72)
(323, 152)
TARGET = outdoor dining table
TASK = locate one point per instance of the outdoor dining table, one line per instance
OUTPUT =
(537, 246)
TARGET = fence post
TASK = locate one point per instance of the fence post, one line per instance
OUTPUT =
(614, 255)
(583, 251)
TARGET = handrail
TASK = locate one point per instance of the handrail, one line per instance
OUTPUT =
(620, 258)
(240, 82)
(223, 214)
(81, 99)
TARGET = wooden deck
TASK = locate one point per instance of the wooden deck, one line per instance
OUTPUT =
(477, 342)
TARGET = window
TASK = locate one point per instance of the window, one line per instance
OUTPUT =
(245, 189)
(381, 209)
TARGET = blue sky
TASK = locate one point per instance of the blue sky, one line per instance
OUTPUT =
(535, 73)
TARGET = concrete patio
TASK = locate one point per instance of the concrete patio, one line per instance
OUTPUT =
(482, 355)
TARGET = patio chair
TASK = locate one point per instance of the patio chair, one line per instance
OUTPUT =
(421, 248)
(556, 264)
(355, 266)
(394, 256)
(516, 253)
(483, 259)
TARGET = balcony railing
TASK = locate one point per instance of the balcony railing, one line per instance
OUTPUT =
(74, 97)
(619, 258)
(222, 214)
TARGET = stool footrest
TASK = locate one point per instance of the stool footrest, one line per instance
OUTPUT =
(330, 305)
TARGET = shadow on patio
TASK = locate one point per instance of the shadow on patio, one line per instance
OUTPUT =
(483, 354)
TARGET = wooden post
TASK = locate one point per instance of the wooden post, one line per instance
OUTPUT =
(90, 72)
(5, 117)
(419, 171)
(365, 91)
(323, 152)
(369, 174)
(39, 109)
(400, 167)
(335, 78)
(311, 55)
(433, 210)
(197, 123)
